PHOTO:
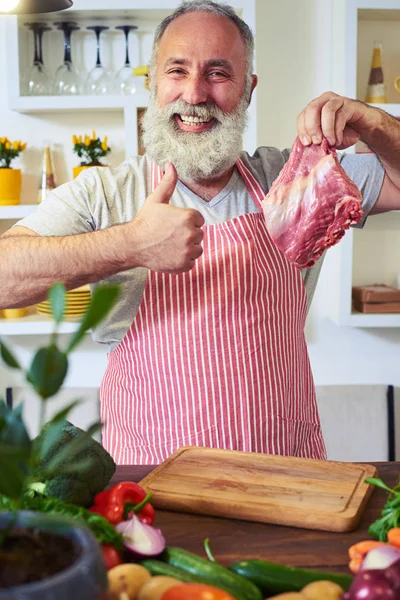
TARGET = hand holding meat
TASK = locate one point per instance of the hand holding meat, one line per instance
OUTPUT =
(167, 238)
(340, 120)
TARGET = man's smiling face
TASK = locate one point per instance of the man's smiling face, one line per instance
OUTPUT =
(197, 113)
(201, 60)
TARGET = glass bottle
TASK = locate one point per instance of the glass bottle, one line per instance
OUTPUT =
(376, 85)
(47, 179)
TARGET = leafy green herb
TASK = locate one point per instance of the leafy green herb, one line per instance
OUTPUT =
(390, 516)
(104, 532)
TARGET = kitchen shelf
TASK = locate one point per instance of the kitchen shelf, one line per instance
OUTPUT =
(17, 212)
(367, 320)
(34, 325)
(37, 104)
(367, 256)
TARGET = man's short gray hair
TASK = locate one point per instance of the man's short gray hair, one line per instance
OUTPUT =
(209, 6)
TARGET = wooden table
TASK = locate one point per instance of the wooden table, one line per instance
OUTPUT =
(232, 540)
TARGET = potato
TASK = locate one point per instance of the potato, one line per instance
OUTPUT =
(154, 589)
(322, 590)
(288, 596)
(126, 580)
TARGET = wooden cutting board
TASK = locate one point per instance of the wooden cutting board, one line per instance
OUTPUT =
(299, 492)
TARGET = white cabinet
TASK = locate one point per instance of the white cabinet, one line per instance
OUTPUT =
(371, 255)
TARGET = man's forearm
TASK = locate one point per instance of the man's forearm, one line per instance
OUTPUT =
(384, 140)
(31, 264)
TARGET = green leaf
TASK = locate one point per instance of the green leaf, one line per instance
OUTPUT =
(64, 412)
(57, 300)
(13, 469)
(379, 483)
(46, 439)
(69, 452)
(48, 370)
(13, 431)
(103, 299)
(3, 409)
(8, 357)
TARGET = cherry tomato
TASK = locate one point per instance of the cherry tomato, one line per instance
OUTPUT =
(111, 556)
(195, 591)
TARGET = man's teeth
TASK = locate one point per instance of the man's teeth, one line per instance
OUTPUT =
(192, 120)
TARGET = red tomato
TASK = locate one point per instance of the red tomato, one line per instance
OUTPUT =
(111, 556)
(195, 591)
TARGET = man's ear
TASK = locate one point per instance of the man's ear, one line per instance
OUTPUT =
(254, 81)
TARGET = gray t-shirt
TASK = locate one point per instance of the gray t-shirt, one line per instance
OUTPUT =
(102, 197)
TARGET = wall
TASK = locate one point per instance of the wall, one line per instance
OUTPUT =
(298, 59)
(294, 63)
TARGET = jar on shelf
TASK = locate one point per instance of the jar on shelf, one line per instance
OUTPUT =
(376, 84)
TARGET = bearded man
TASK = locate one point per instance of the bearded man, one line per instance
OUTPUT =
(207, 341)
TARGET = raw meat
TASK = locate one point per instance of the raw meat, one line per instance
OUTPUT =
(311, 203)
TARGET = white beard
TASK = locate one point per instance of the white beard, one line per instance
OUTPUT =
(196, 156)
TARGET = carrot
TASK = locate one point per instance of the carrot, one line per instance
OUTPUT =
(393, 537)
(355, 564)
(360, 549)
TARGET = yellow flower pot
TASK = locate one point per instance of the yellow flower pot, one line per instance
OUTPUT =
(13, 313)
(77, 170)
(10, 186)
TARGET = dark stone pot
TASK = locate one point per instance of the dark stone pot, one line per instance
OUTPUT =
(85, 579)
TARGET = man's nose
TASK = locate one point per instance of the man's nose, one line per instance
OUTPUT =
(195, 90)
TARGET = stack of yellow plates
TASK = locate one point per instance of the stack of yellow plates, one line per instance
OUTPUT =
(77, 302)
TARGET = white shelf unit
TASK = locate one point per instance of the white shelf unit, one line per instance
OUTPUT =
(16, 212)
(34, 325)
(146, 15)
(357, 24)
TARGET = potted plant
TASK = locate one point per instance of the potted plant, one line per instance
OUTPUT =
(10, 179)
(91, 149)
(47, 550)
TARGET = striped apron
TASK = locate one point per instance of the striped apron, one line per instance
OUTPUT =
(216, 356)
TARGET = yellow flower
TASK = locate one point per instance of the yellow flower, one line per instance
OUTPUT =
(104, 147)
(2, 140)
(105, 140)
(8, 145)
(88, 141)
(24, 145)
(16, 145)
(80, 139)
(74, 139)
(93, 135)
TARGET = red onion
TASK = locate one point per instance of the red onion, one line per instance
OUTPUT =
(141, 540)
(380, 558)
(371, 585)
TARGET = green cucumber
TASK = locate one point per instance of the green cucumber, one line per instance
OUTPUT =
(158, 567)
(272, 578)
(239, 587)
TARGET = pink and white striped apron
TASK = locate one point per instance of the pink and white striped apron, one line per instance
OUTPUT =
(216, 356)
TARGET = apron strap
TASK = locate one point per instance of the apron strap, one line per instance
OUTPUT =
(251, 183)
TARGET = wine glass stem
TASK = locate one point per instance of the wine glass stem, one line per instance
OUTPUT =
(40, 44)
(127, 61)
(67, 46)
(98, 62)
(37, 58)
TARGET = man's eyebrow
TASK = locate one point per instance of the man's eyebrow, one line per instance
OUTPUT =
(213, 62)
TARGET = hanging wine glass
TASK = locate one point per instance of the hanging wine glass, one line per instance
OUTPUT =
(125, 82)
(67, 80)
(99, 80)
(38, 80)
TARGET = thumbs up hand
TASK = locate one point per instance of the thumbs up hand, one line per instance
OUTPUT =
(166, 238)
